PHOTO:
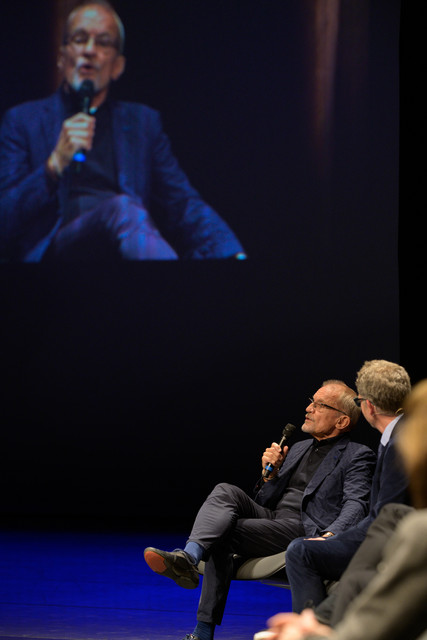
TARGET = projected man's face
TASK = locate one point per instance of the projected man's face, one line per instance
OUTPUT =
(91, 50)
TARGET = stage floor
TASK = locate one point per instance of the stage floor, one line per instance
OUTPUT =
(95, 585)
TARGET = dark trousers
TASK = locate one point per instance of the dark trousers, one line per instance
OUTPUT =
(118, 228)
(310, 562)
(230, 522)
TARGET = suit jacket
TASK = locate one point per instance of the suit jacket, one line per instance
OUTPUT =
(31, 205)
(364, 564)
(393, 605)
(337, 496)
(389, 484)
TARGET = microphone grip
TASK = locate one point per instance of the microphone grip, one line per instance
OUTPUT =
(269, 467)
(80, 156)
(287, 432)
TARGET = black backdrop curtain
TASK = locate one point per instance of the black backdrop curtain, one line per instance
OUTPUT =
(127, 387)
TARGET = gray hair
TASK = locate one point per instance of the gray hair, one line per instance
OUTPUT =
(386, 384)
(345, 401)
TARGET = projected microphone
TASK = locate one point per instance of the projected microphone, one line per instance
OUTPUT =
(85, 95)
(286, 434)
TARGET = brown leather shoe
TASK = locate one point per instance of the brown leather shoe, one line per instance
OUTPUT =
(174, 565)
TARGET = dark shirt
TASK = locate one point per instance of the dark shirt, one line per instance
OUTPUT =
(94, 180)
(292, 497)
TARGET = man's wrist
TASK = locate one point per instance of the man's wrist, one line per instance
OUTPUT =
(327, 534)
(52, 166)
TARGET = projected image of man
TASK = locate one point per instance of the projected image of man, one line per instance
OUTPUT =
(87, 177)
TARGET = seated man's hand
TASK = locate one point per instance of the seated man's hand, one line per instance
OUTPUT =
(294, 626)
(76, 133)
(273, 455)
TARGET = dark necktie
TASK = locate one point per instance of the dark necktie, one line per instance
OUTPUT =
(380, 454)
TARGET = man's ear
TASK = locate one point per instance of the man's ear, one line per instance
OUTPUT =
(118, 67)
(343, 423)
(60, 59)
(371, 407)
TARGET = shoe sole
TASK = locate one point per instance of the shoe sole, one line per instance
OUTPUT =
(162, 566)
(155, 562)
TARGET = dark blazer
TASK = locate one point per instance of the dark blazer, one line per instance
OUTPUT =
(31, 205)
(337, 496)
(393, 605)
(389, 484)
(365, 562)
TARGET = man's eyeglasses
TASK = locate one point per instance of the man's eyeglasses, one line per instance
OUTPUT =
(358, 401)
(322, 405)
(102, 41)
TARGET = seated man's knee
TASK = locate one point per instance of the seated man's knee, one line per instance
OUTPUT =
(122, 212)
(226, 491)
(120, 201)
(295, 550)
(223, 488)
(131, 227)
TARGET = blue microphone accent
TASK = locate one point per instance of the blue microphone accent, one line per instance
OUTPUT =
(79, 157)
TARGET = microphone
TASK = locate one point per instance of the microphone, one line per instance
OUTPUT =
(85, 95)
(286, 434)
